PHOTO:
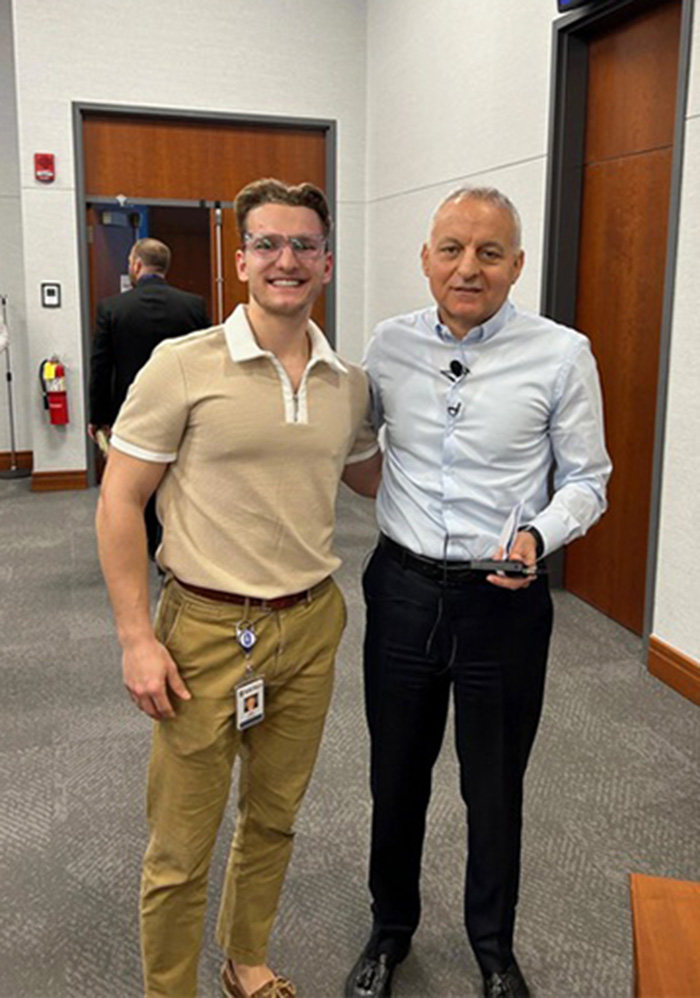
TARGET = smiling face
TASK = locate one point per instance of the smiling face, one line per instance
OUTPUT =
(284, 285)
(471, 262)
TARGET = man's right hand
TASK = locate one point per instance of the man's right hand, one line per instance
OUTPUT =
(149, 671)
(94, 427)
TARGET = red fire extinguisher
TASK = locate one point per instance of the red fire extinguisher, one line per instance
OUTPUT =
(52, 377)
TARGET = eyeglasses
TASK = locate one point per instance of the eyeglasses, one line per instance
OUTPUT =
(269, 246)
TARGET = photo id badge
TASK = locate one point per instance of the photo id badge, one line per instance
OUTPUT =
(250, 703)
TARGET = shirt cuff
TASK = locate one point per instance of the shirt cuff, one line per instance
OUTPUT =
(364, 455)
(132, 450)
(554, 530)
(538, 538)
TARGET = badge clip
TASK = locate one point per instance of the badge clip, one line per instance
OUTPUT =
(246, 637)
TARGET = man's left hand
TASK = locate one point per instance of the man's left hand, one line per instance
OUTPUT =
(524, 549)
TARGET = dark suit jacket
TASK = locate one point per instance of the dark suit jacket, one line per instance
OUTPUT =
(129, 327)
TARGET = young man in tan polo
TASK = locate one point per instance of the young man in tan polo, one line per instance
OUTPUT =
(245, 429)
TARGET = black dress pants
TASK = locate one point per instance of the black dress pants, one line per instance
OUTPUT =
(489, 646)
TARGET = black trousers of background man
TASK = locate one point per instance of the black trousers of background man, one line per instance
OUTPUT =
(489, 645)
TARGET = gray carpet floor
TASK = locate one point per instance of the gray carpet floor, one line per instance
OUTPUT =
(613, 787)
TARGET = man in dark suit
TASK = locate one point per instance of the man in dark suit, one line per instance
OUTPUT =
(129, 327)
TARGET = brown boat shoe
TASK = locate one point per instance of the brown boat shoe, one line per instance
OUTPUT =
(278, 987)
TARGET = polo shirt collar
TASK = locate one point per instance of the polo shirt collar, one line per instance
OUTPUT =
(243, 346)
(479, 334)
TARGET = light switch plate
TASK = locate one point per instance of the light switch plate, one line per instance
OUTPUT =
(51, 294)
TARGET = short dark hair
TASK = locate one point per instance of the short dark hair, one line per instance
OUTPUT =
(272, 191)
(153, 253)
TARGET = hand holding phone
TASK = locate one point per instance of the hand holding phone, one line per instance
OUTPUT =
(506, 567)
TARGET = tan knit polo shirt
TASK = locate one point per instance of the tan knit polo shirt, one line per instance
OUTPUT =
(248, 500)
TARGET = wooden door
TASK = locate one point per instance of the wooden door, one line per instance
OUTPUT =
(111, 234)
(186, 232)
(143, 156)
(632, 78)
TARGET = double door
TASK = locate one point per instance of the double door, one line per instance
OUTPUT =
(180, 176)
(176, 179)
(203, 240)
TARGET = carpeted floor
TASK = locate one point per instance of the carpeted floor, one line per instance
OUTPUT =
(613, 787)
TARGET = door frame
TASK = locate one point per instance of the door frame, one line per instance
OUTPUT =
(83, 197)
(564, 189)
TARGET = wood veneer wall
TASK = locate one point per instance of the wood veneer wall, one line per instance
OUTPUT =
(632, 81)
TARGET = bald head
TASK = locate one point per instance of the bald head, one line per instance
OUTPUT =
(489, 195)
(153, 254)
(148, 256)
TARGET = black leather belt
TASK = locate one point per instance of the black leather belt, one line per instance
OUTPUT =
(455, 573)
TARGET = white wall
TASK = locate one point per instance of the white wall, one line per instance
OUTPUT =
(11, 258)
(459, 91)
(456, 92)
(677, 608)
(281, 57)
(427, 95)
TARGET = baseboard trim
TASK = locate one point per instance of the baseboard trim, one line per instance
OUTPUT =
(672, 667)
(58, 481)
(23, 459)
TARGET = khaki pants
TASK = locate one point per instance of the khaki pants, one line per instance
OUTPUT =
(190, 774)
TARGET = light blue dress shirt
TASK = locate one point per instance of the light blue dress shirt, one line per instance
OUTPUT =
(460, 452)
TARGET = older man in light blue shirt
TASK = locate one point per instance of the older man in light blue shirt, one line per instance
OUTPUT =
(479, 402)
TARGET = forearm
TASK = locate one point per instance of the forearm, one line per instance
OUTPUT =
(364, 477)
(571, 513)
(121, 536)
(365, 487)
(582, 463)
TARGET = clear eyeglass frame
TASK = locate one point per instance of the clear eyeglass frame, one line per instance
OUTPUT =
(269, 245)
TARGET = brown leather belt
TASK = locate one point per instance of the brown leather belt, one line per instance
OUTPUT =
(278, 603)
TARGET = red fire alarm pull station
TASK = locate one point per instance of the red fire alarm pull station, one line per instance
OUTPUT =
(45, 167)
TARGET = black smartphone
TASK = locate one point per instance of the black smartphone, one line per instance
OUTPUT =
(506, 567)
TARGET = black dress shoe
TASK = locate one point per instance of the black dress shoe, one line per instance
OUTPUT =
(508, 983)
(371, 977)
